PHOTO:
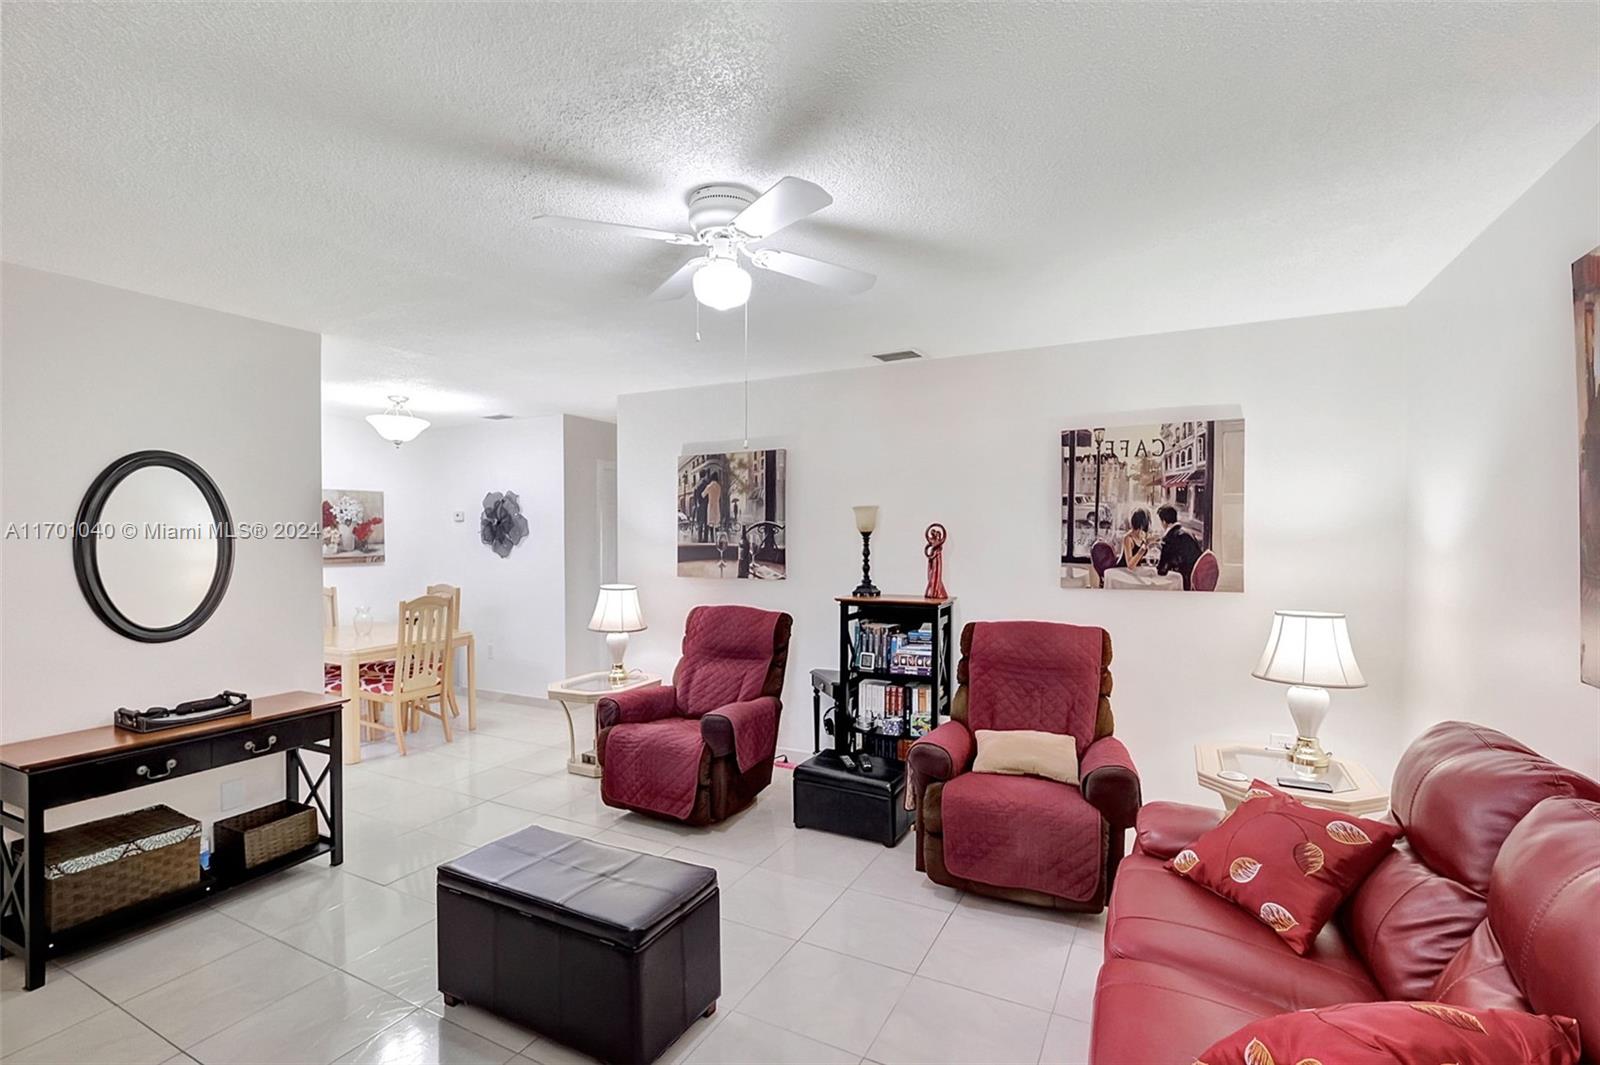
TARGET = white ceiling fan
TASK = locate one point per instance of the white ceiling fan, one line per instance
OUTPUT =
(727, 220)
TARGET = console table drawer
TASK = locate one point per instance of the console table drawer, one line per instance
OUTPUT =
(274, 738)
(90, 779)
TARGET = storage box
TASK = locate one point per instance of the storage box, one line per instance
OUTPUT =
(829, 797)
(607, 951)
(99, 867)
(264, 834)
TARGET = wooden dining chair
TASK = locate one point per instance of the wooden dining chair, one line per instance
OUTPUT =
(451, 592)
(418, 678)
(332, 680)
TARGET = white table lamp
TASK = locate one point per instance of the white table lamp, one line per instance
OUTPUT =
(1311, 653)
(617, 613)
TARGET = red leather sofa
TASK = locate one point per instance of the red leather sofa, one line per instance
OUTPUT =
(1491, 900)
(700, 749)
(1027, 839)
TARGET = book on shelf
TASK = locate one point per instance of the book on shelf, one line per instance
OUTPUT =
(894, 709)
(885, 647)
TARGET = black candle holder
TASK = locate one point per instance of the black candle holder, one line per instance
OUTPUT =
(866, 587)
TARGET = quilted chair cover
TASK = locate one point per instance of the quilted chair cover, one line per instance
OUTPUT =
(701, 749)
(1027, 838)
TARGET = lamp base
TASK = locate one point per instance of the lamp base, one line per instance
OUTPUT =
(1308, 758)
(617, 644)
(1308, 706)
(866, 588)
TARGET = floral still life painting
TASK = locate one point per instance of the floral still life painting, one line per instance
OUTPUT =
(352, 527)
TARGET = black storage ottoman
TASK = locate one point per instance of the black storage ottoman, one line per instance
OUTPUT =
(611, 952)
(829, 797)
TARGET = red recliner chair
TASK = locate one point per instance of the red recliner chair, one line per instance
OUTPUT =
(1016, 837)
(700, 750)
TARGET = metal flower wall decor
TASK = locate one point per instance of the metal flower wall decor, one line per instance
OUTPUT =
(502, 526)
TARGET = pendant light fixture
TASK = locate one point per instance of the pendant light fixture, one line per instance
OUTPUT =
(397, 425)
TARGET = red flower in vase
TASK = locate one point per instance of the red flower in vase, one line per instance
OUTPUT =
(328, 520)
(362, 530)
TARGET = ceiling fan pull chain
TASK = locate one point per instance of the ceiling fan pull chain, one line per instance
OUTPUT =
(747, 374)
(697, 321)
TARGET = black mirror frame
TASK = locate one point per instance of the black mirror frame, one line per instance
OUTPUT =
(85, 537)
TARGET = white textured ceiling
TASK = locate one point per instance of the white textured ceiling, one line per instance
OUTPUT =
(1017, 175)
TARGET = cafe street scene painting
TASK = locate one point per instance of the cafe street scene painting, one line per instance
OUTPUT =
(1154, 507)
(731, 515)
(1585, 310)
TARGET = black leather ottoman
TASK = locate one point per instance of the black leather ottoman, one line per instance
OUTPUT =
(611, 952)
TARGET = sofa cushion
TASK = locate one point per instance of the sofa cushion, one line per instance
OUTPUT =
(653, 766)
(1460, 789)
(727, 656)
(1152, 1014)
(1407, 922)
(1382, 1033)
(1035, 675)
(1163, 919)
(1477, 977)
(1544, 909)
(1022, 832)
(1289, 864)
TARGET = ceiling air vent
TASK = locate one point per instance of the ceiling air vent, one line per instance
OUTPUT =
(497, 417)
(898, 356)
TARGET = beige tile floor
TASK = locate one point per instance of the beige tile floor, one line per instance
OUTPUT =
(833, 950)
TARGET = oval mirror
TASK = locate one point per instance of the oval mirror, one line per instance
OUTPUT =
(153, 546)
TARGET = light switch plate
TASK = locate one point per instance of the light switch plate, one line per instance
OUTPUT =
(460, 515)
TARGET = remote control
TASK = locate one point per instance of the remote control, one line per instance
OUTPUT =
(1305, 785)
(848, 762)
(866, 763)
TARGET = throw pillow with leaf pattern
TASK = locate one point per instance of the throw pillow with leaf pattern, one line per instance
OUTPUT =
(1287, 863)
(1411, 1033)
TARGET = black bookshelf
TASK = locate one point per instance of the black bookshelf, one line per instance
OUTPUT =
(907, 612)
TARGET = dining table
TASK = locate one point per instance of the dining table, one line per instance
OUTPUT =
(1143, 577)
(347, 648)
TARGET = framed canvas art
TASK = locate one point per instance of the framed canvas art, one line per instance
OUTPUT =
(731, 515)
(352, 527)
(1585, 310)
(1154, 506)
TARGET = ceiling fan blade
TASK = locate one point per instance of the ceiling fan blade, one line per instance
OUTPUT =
(614, 227)
(805, 268)
(678, 285)
(790, 200)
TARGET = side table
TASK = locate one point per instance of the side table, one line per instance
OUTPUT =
(586, 689)
(1355, 790)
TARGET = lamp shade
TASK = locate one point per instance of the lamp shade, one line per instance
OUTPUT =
(617, 609)
(721, 284)
(866, 518)
(1310, 649)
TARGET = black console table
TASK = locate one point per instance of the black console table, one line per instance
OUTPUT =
(36, 775)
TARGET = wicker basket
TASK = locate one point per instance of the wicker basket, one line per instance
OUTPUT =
(258, 836)
(97, 868)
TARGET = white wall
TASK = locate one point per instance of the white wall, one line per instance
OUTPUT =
(515, 606)
(1491, 420)
(91, 373)
(586, 444)
(974, 443)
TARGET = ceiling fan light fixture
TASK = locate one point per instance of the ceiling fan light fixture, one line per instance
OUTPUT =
(722, 284)
(396, 424)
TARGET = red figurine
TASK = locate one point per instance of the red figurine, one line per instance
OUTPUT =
(935, 551)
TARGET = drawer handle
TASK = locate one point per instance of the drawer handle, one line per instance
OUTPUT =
(144, 771)
(250, 745)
